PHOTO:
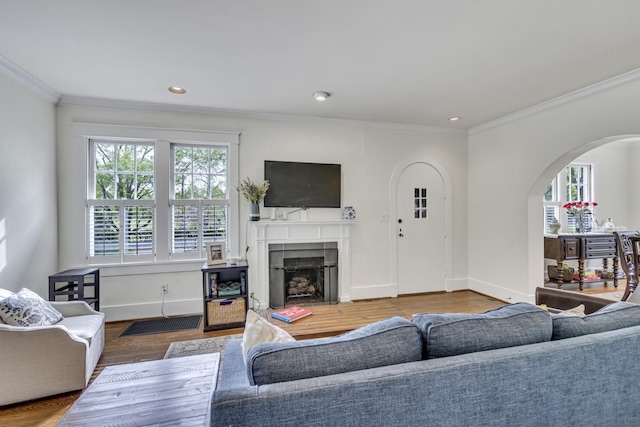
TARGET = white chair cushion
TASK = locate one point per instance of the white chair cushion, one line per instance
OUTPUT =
(85, 327)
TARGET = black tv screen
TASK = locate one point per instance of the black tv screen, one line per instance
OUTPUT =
(302, 185)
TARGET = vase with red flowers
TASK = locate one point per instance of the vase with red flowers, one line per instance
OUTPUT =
(581, 214)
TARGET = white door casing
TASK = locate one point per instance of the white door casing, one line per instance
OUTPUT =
(420, 215)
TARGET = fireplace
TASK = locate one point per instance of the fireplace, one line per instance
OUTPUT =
(303, 273)
(265, 235)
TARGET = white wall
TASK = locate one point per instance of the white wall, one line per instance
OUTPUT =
(511, 164)
(28, 214)
(612, 164)
(368, 155)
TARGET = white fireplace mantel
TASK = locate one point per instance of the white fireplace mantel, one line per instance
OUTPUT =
(265, 232)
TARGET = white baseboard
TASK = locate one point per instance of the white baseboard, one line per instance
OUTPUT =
(115, 313)
(390, 290)
(194, 306)
(498, 292)
(371, 292)
(457, 284)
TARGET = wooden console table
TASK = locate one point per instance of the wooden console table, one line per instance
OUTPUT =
(581, 247)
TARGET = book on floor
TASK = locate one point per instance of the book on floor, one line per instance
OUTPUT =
(291, 314)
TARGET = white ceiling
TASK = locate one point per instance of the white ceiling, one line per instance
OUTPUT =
(400, 61)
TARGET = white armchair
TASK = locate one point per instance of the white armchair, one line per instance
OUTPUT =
(41, 361)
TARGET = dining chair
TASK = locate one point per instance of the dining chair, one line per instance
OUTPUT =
(628, 243)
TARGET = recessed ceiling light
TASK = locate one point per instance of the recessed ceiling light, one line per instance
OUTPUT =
(320, 96)
(177, 90)
(454, 119)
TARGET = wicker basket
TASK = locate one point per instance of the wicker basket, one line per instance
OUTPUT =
(555, 273)
(223, 312)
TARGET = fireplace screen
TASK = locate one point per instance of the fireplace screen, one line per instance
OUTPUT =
(304, 275)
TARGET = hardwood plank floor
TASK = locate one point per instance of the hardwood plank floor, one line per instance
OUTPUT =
(326, 320)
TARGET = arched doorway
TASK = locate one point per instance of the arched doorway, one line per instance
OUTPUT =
(536, 254)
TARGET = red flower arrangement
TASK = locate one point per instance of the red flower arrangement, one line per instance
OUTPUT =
(577, 209)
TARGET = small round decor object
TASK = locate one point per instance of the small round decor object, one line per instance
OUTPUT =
(348, 213)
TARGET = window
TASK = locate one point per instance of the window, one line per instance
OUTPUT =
(121, 209)
(199, 203)
(158, 195)
(420, 203)
(572, 184)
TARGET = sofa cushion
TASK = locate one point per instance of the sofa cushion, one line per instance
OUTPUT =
(258, 330)
(509, 326)
(26, 308)
(387, 342)
(614, 316)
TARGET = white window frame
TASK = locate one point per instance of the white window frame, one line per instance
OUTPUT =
(560, 198)
(122, 205)
(162, 138)
(199, 203)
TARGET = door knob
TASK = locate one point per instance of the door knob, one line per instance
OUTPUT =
(401, 235)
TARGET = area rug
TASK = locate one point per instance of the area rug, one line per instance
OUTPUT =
(164, 324)
(616, 296)
(201, 346)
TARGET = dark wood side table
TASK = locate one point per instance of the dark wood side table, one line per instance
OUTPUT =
(581, 247)
(72, 283)
(225, 306)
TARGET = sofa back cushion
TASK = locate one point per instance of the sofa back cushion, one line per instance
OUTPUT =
(387, 342)
(509, 326)
(614, 316)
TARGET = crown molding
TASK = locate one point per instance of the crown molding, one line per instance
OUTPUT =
(594, 89)
(79, 101)
(15, 73)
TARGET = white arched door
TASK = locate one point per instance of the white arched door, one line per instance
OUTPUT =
(420, 230)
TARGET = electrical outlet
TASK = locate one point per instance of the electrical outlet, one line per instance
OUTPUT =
(165, 289)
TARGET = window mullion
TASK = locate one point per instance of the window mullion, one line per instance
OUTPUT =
(164, 188)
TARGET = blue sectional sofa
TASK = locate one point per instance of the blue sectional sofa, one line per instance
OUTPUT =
(514, 366)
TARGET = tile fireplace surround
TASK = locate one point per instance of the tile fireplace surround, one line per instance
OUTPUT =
(264, 233)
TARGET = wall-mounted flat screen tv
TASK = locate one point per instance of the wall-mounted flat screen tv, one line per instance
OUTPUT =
(302, 185)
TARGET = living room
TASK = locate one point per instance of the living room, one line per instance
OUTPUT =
(517, 154)
(505, 163)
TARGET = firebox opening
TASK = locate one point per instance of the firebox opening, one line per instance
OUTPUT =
(304, 280)
(303, 274)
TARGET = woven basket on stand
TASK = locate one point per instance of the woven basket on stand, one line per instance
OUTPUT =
(222, 312)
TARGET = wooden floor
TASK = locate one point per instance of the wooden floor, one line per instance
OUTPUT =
(326, 320)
